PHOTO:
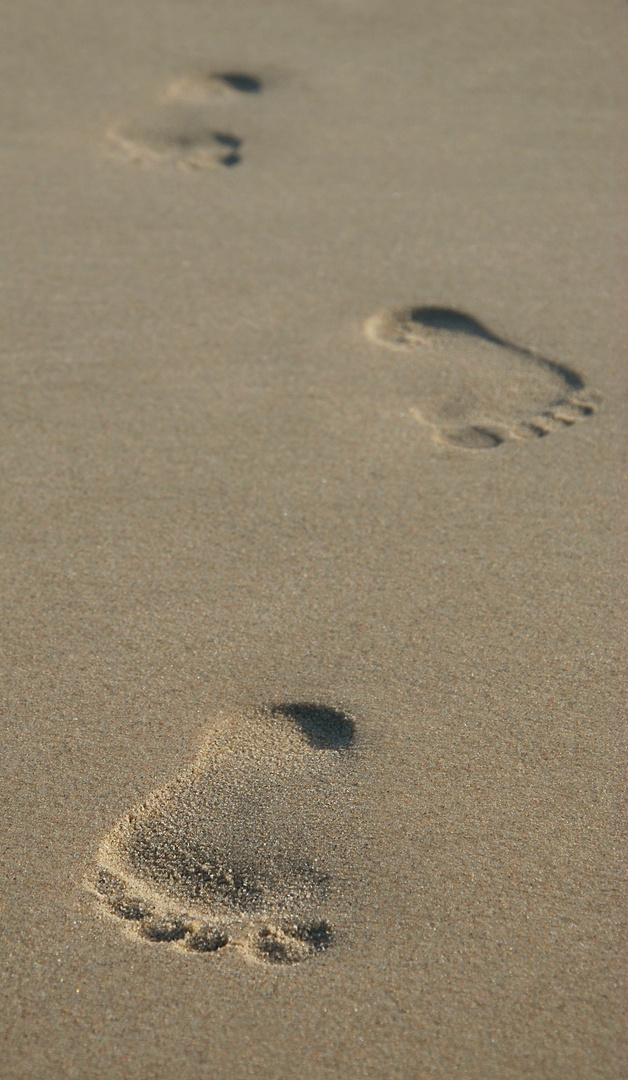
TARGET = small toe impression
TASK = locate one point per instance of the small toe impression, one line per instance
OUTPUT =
(583, 409)
(113, 893)
(534, 429)
(291, 943)
(473, 438)
(206, 939)
(164, 928)
(131, 907)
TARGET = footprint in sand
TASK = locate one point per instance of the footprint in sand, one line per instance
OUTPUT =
(478, 390)
(238, 850)
(179, 129)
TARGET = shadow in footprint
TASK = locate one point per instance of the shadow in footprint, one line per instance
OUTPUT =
(324, 728)
(438, 318)
(479, 389)
(441, 318)
(243, 84)
(232, 156)
(238, 849)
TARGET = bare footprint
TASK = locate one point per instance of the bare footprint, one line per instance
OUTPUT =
(179, 129)
(175, 134)
(237, 850)
(477, 389)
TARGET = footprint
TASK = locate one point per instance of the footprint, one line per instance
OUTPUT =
(180, 135)
(179, 128)
(237, 850)
(479, 390)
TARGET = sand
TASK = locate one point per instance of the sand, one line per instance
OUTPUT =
(313, 375)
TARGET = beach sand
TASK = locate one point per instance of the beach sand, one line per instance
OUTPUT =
(313, 376)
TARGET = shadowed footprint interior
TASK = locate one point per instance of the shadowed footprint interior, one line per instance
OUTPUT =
(476, 389)
(239, 849)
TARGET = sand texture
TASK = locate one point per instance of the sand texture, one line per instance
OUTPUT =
(312, 575)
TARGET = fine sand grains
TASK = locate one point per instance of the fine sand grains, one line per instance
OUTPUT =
(476, 389)
(230, 852)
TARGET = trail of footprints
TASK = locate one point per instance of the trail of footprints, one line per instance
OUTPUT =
(230, 853)
(476, 389)
(179, 129)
